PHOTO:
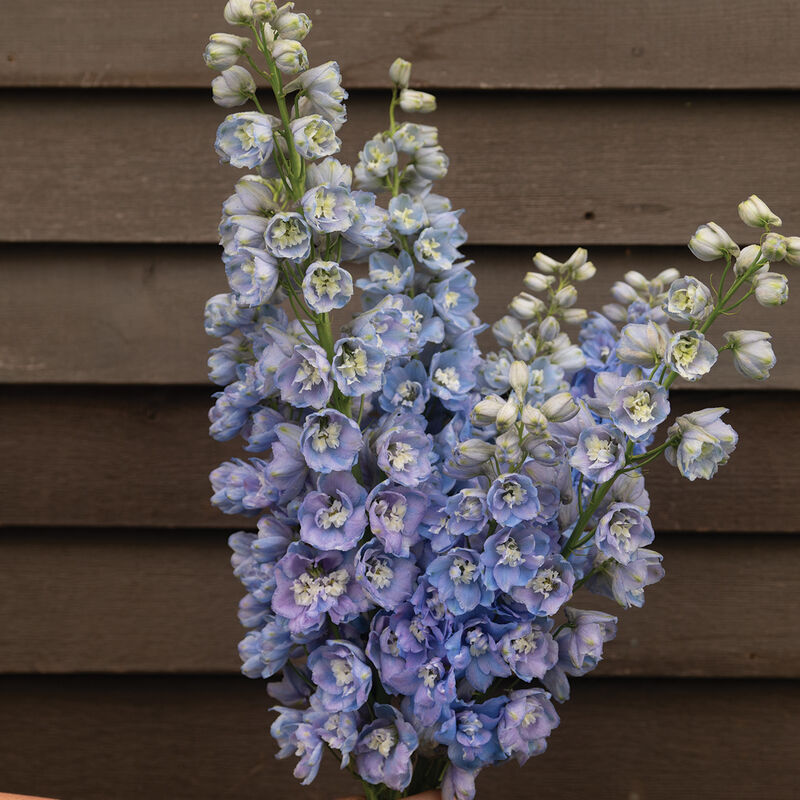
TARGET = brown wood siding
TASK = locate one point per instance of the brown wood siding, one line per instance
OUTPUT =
(619, 125)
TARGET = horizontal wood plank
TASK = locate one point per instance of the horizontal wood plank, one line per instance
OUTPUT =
(126, 456)
(134, 313)
(207, 738)
(153, 601)
(531, 45)
(559, 169)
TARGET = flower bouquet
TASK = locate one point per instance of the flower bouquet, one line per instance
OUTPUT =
(426, 511)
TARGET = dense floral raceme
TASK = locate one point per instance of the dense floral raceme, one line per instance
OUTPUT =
(424, 513)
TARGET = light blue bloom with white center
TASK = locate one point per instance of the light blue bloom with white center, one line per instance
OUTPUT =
(329, 209)
(326, 286)
(378, 156)
(455, 297)
(599, 453)
(690, 354)
(244, 139)
(512, 556)
(527, 720)
(706, 443)
(253, 276)
(314, 137)
(642, 344)
(435, 250)
(368, 230)
(388, 580)
(625, 583)
(688, 300)
(452, 376)
(467, 514)
(458, 577)
(405, 451)
(407, 215)
(395, 514)
(410, 137)
(304, 379)
(322, 93)
(474, 652)
(512, 498)
(384, 749)
(330, 442)
(551, 586)
(287, 235)
(388, 274)
(405, 387)
(357, 367)
(334, 517)
(341, 673)
(529, 650)
(638, 408)
(622, 530)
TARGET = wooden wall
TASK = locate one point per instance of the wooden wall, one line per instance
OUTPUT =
(619, 125)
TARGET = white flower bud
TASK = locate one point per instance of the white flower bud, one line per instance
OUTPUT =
(755, 213)
(238, 12)
(566, 297)
(576, 260)
(624, 293)
(536, 282)
(549, 329)
(792, 257)
(546, 264)
(585, 271)
(290, 56)
(223, 50)
(505, 329)
(746, 259)
(412, 101)
(615, 312)
(400, 73)
(534, 420)
(474, 451)
(574, 316)
(233, 87)
(570, 359)
(711, 242)
(637, 280)
(772, 288)
(667, 276)
(507, 415)
(773, 246)
(526, 306)
(560, 407)
(753, 356)
(519, 377)
(263, 10)
(486, 410)
(289, 25)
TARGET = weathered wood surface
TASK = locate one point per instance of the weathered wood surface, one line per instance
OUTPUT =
(207, 738)
(566, 168)
(158, 602)
(528, 45)
(126, 456)
(133, 316)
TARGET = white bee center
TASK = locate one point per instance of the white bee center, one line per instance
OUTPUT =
(342, 671)
(288, 233)
(326, 282)
(462, 571)
(478, 643)
(447, 377)
(326, 436)
(324, 204)
(382, 740)
(393, 516)
(509, 553)
(334, 516)
(600, 450)
(429, 674)
(545, 583)
(429, 248)
(379, 574)
(400, 455)
(685, 351)
(352, 364)
(640, 407)
(513, 493)
(525, 644)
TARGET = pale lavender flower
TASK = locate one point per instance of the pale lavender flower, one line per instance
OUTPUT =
(690, 354)
(549, 589)
(512, 556)
(706, 443)
(529, 651)
(404, 451)
(599, 453)
(331, 441)
(512, 498)
(341, 674)
(387, 580)
(304, 379)
(384, 749)
(457, 576)
(326, 286)
(638, 408)
(334, 517)
(527, 720)
(395, 514)
(622, 530)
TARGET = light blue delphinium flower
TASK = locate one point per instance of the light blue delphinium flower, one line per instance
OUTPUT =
(265, 651)
(626, 583)
(512, 556)
(334, 517)
(287, 236)
(407, 215)
(235, 484)
(471, 734)
(529, 651)
(622, 531)
(435, 250)
(527, 720)
(327, 286)
(405, 387)
(689, 300)
(457, 576)
(378, 156)
(753, 355)
(322, 93)
(404, 451)
(474, 651)
(357, 367)
(253, 276)
(638, 408)
(314, 137)
(512, 498)
(296, 737)
(549, 589)
(245, 139)
(706, 443)
(330, 442)
(410, 137)
(387, 580)
(341, 674)
(599, 453)
(467, 514)
(328, 209)
(388, 274)
(452, 376)
(384, 749)
(429, 704)
(690, 354)
(395, 514)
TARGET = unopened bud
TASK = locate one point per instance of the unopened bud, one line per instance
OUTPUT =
(637, 280)
(773, 246)
(289, 55)
(526, 306)
(533, 420)
(560, 407)
(615, 312)
(519, 377)
(585, 271)
(263, 10)
(576, 260)
(772, 288)
(711, 242)
(624, 293)
(792, 257)
(549, 329)
(546, 264)
(238, 12)
(233, 87)
(412, 101)
(536, 282)
(223, 50)
(574, 316)
(507, 415)
(755, 213)
(667, 276)
(400, 73)
(748, 256)
(486, 410)
(567, 296)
